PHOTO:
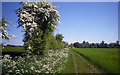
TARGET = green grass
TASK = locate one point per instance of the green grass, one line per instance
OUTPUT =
(69, 66)
(78, 64)
(83, 65)
(104, 58)
(13, 49)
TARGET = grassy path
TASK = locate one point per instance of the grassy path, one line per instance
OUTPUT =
(75, 64)
(83, 65)
(104, 58)
(69, 66)
(78, 64)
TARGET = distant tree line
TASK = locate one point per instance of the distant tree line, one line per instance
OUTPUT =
(85, 44)
(8, 45)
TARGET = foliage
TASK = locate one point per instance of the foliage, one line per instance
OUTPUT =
(52, 62)
(3, 29)
(39, 20)
(109, 57)
(71, 45)
(65, 44)
(59, 37)
(60, 44)
(52, 43)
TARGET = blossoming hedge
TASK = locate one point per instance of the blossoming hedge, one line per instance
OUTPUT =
(39, 20)
(52, 62)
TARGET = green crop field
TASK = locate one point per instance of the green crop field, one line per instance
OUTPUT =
(13, 49)
(105, 58)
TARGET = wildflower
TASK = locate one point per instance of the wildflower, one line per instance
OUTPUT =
(10, 71)
(32, 68)
(47, 72)
(29, 47)
(26, 70)
(6, 56)
(0, 35)
(45, 64)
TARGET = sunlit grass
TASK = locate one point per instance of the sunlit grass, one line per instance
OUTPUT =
(104, 58)
(13, 49)
(69, 65)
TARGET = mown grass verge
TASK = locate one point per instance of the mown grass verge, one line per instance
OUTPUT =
(69, 65)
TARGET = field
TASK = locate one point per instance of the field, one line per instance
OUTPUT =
(105, 59)
(13, 49)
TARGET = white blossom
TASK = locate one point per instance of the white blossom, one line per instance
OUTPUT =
(0, 35)
(29, 47)
(3, 29)
(36, 64)
(34, 12)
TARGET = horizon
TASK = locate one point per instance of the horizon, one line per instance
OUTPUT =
(89, 21)
(73, 43)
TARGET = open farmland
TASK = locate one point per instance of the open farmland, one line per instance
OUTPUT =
(87, 42)
(104, 58)
(13, 49)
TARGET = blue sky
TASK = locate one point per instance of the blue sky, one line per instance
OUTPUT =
(89, 21)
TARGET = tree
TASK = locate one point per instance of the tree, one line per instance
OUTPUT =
(85, 44)
(71, 45)
(3, 30)
(59, 37)
(76, 45)
(39, 20)
(65, 44)
(52, 43)
(117, 44)
(112, 45)
(98, 45)
(102, 44)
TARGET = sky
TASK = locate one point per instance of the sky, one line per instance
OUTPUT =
(90, 21)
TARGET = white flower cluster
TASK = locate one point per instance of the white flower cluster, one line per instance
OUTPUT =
(34, 14)
(52, 62)
(3, 29)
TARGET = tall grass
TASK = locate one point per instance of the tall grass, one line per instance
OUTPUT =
(104, 58)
